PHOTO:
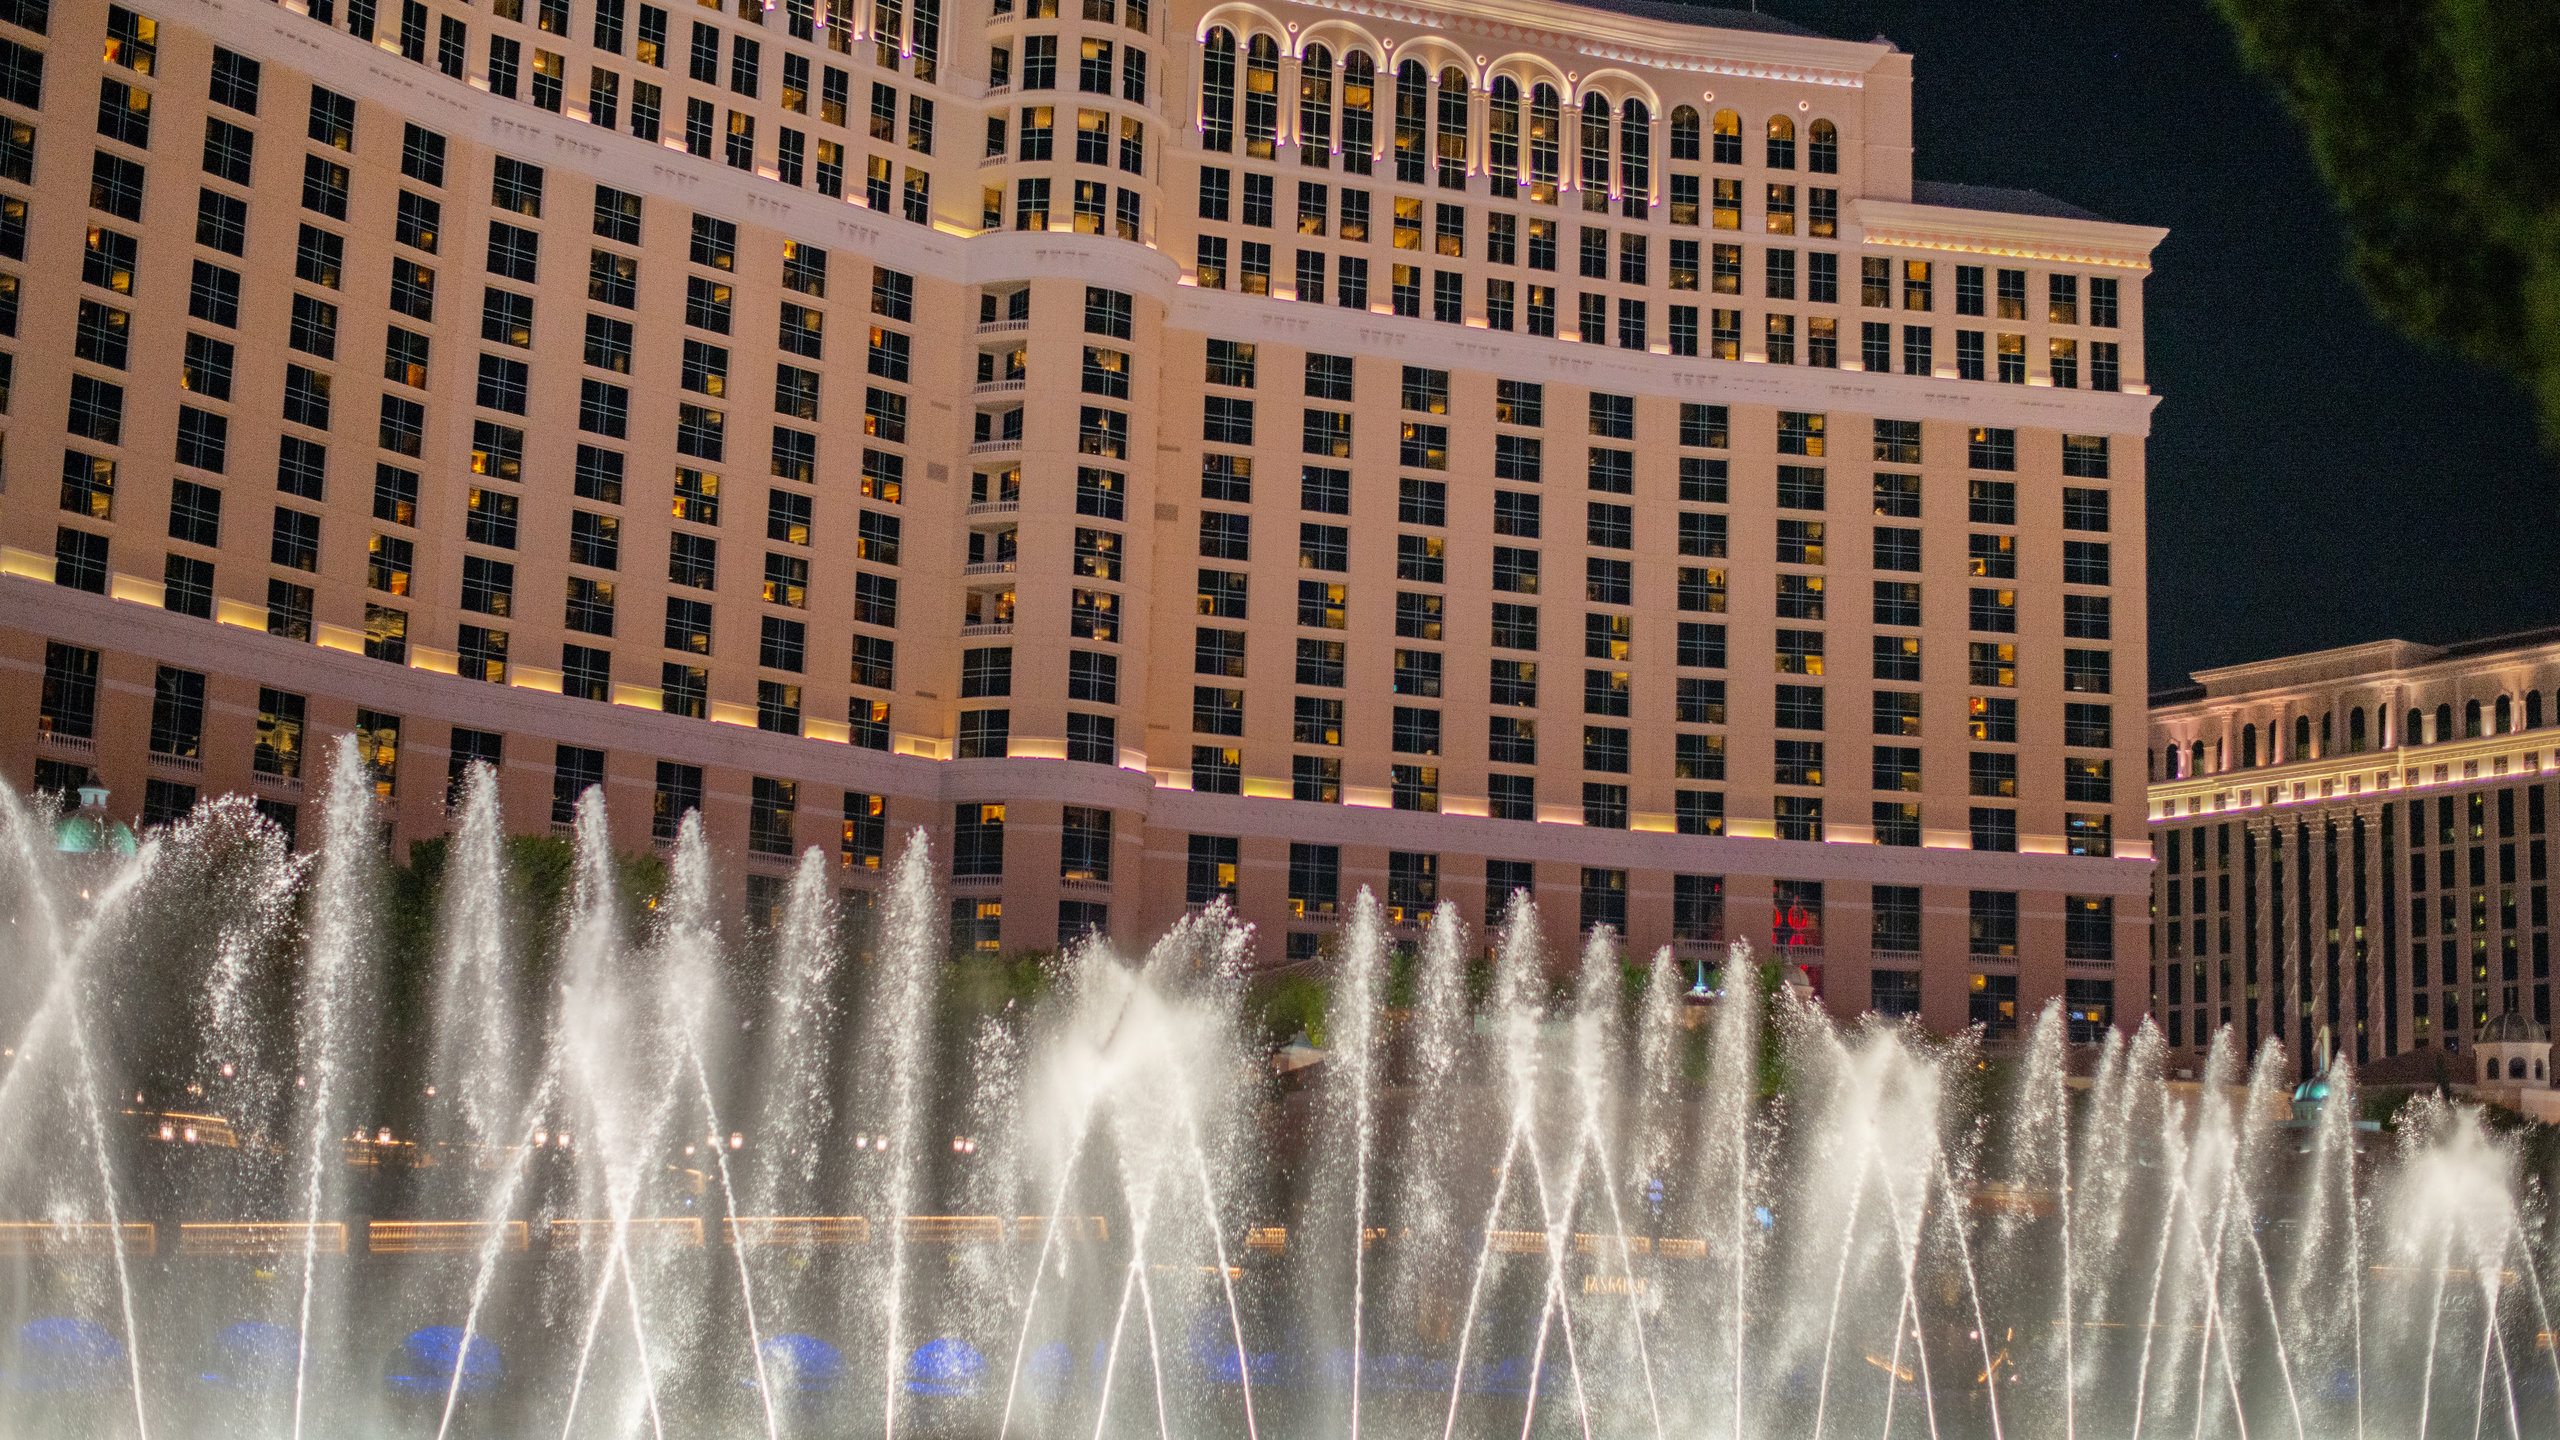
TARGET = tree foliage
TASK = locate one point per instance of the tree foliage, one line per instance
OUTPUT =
(2434, 125)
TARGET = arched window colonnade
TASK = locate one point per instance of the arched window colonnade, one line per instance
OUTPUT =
(2357, 730)
(1433, 115)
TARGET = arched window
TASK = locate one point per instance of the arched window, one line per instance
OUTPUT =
(1502, 135)
(2355, 731)
(1413, 106)
(2248, 747)
(2470, 719)
(2533, 709)
(1635, 159)
(2515, 1067)
(2506, 714)
(1595, 152)
(1782, 143)
(1261, 97)
(2328, 734)
(1728, 143)
(2195, 759)
(1359, 112)
(2301, 738)
(1546, 142)
(1218, 92)
(2488, 1069)
(1822, 148)
(2414, 732)
(1453, 129)
(2444, 724)
(1684, 133)
(1315, 107)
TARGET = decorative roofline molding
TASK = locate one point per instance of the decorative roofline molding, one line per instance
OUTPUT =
(2430, 667)
(2359, 777)
(2052, 238)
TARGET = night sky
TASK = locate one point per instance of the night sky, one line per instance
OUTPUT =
(2316, 480)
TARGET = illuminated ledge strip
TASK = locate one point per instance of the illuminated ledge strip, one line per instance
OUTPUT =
(2416, 769)
(22, 1239)
(680, 1233)
(1927, 240)
(444, 1237)
(2058, 238)
(263, 1239)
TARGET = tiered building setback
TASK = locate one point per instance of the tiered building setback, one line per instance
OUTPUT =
(2352, 844)
(1166, 451)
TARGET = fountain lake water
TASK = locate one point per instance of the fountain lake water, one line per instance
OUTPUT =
(676, 1180)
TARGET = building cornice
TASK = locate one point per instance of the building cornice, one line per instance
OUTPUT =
(2282, 680)
(2368, 775)
(2050, 238)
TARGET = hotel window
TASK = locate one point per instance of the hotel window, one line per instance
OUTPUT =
(2085, 456)
(1992, 449)
(2013, 295)
(2085, 562)
(1992, 664)
(2013, 359)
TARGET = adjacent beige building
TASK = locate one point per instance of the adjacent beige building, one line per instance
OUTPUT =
(2351, 844)
(1165, 451)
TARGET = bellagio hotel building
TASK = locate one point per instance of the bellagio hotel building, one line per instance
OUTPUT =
(1163, 450)
(2353, 844)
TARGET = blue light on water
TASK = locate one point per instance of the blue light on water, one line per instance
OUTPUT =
(424, 1364)
(65, 1353)
(801, 1365)
(946, 1366)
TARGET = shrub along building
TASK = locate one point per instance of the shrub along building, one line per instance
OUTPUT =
(2352, 842)
(1168, 452)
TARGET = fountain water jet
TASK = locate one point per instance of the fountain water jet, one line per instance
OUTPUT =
(1163, 1232)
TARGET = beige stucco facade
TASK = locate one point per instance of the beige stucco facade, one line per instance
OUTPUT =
(824, 367)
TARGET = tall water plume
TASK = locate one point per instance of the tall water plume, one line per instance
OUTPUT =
(892, 1095)
(336, 992)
